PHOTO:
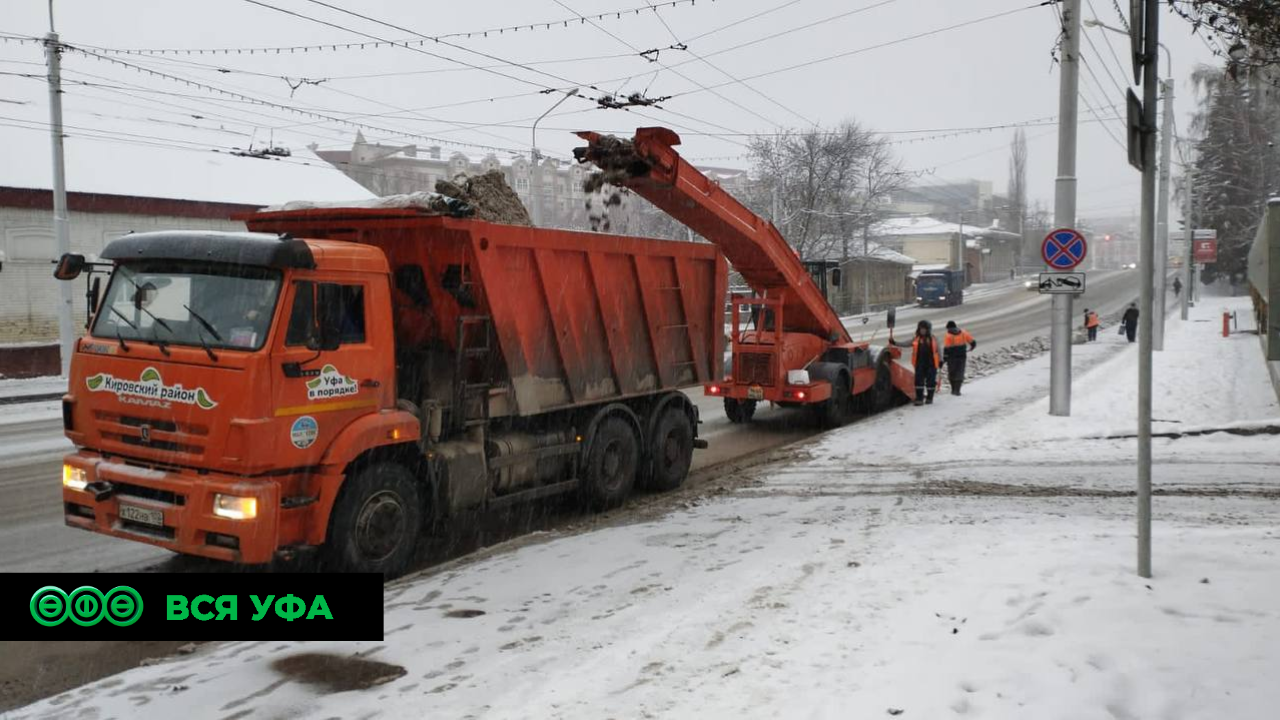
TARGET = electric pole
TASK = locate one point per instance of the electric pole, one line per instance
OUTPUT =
(1064, 205)
(1162, 216)
(1188, 210)
(61, 228)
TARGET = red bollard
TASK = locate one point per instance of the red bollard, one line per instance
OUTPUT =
(1226, 324)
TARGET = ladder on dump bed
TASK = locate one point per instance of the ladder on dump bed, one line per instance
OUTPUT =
(473, 369)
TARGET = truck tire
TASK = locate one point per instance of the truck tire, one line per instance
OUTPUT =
(376, 522)
(609, 472)
(838, 408)
(739, 411)
(670, 450)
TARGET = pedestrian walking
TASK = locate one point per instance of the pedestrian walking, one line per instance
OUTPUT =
(1177, 287)
(956, 345)
(926, 358)
(1091, 323)
(1130, 322)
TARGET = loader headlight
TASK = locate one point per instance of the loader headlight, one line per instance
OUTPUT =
(235, 508)
(74, 477)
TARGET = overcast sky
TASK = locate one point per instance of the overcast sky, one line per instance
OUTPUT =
(991, 72)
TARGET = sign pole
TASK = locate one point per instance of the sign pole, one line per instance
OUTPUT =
(1064, 205)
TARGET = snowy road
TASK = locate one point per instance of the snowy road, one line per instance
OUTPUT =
(33, 536)
(876, 571)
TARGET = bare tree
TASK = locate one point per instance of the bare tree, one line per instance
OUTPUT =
(808, 183)
(1018, 182)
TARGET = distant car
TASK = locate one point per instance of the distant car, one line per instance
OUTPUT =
(1031, 285)
(1131, 266)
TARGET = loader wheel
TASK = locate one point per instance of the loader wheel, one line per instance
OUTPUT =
(836, 410)
(376, 522)
(671, 450)
(739, 411)
(609, 472)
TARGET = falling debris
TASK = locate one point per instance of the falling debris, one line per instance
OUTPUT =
(490, 196)
(616, 157)
(336, 673)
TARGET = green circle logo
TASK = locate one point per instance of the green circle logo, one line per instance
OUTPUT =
(86, 606)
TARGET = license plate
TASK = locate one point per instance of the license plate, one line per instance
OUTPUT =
(146, 516)
(755, 392)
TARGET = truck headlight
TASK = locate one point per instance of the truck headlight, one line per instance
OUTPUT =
(235, 508)
(74, 477)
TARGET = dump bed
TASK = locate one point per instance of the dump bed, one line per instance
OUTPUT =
(577, 317)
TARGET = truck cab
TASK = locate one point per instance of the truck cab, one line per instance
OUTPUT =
(940, 288)
(223, 376)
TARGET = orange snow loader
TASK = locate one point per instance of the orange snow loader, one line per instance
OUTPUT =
(789, 346)
(340, 377)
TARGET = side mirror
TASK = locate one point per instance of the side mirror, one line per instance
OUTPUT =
(69, 267)
(892, 319)
(835, 277)
(329, 307)
(94, 296)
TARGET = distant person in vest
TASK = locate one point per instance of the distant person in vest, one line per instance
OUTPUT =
(1130, 322)
(926, 357)
(956, 345)
(1091, 323)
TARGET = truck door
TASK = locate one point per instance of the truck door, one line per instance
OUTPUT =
(317, 391)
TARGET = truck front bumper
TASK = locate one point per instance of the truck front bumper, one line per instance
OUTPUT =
(175, 510)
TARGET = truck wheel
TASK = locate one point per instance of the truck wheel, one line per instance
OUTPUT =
(376, 522)
(671, 450)
(739, 411)
(610, 469)
(836, 410)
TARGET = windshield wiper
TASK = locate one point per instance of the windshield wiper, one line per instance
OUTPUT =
(200, 334)
(212, 331)
(120, 337)
(164, 346)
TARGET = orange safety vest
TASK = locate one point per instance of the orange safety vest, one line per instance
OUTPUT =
(961, 338)
(915, 351)
(1091, 320)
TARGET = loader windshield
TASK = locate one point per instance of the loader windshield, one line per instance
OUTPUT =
(185, 303)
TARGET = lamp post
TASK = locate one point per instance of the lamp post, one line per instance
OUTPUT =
(535, 172)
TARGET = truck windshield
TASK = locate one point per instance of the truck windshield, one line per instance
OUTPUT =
(182, 303)
(932, 284)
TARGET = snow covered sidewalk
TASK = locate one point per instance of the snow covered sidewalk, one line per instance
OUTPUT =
(974, 558)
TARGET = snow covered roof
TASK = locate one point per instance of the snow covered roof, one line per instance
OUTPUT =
(105, 156)
(876, 251)
(897, 227)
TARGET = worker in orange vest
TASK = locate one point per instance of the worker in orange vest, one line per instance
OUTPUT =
(956, 345)
(926, 358)
(1091, 323)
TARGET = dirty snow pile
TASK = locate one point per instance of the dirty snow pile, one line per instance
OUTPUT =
(974, 557)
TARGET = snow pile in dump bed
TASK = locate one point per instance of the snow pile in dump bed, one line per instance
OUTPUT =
(486, 196)
(419, 200)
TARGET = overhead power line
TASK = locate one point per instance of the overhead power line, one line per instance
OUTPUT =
(418, 40)
(888, 43)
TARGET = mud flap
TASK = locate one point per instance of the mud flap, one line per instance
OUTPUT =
(904, 380)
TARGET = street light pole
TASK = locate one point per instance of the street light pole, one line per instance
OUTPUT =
(535, 171)
(1064, 205)
(1188, 211)
(61, 225)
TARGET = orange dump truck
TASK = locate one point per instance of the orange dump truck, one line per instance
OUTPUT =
(341, 377)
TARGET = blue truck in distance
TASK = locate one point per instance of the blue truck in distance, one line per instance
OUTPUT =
(940, 288)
